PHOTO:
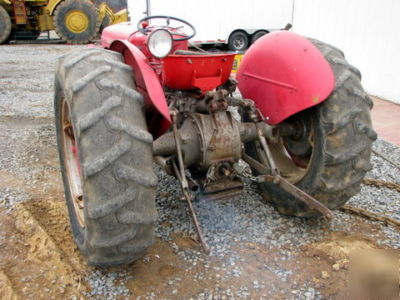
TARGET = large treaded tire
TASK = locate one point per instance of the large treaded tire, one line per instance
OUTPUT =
(343, 137)
(115, 155)
(61, 28)
(5, 25)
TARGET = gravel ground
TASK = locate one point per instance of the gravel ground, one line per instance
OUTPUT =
(27, 135)
(247, 218)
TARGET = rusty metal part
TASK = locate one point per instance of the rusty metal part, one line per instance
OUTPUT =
(164, 163)
(219, 137)
(287, 129)
(190, 143)
(287, 186)
(263, 141)
(224, 194)
(204, 139)
(193, 185)
(208, 133)
(229, 86)
(221, 181)
(256, 165)
(72, 165)
(190, 102)
(273, 175)
(217, 100)
(291, 166)
(209, 138)
(180, 174)
(241, 102)
(188, 197)
(179, 151)
(249, 131)
(298, 193)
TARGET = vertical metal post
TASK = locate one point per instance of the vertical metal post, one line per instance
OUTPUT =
(148, 8)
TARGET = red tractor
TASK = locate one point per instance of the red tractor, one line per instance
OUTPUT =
(304, 129)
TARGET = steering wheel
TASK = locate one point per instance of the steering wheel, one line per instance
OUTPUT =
(170, 29)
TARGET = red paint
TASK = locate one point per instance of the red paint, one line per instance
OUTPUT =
(284, 73)
(127, 31)
(120, 31)
(180, 72)
(147, 82)
(75, 154)
(205, 72)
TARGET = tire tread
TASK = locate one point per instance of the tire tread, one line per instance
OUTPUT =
(118, 180)
(345, 126)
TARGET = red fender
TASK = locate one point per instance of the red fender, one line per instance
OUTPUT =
(284, 73)
(148, 84)
(120, 31)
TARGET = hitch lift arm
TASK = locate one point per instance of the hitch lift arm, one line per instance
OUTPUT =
(180, 174)
(287, 186)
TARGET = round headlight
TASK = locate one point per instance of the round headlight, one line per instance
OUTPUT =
(160, 43)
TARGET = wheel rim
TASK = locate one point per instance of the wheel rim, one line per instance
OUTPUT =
(293, 154)
(76, 21)
(72, 164)
(239, 43)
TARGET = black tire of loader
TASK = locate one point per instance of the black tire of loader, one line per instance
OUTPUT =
(5, 25)
(105, 23)
(343, 136)
(62, 30)
(115, 153)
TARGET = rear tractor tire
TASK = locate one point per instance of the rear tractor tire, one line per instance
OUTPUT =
(330, 152)
(106, 157)
(76, 21)
(5, 25)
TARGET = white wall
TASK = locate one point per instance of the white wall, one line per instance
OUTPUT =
(368, 31)
(216, 19)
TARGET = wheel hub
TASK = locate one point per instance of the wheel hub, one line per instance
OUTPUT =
(77, 21)
(72, 165)
(239, 43)
(293, 152)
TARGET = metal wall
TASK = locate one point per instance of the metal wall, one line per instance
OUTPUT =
(368, 31)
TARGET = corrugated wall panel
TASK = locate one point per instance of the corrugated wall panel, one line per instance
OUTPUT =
(368, 31)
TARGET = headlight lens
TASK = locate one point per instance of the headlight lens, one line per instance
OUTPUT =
(160, 43)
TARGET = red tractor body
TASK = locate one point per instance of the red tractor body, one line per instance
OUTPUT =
(179, 72)
(302, 125)
(283, 73)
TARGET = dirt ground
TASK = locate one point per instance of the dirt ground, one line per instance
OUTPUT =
(39, 259)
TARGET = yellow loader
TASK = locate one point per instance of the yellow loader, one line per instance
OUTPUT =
(75, 21)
